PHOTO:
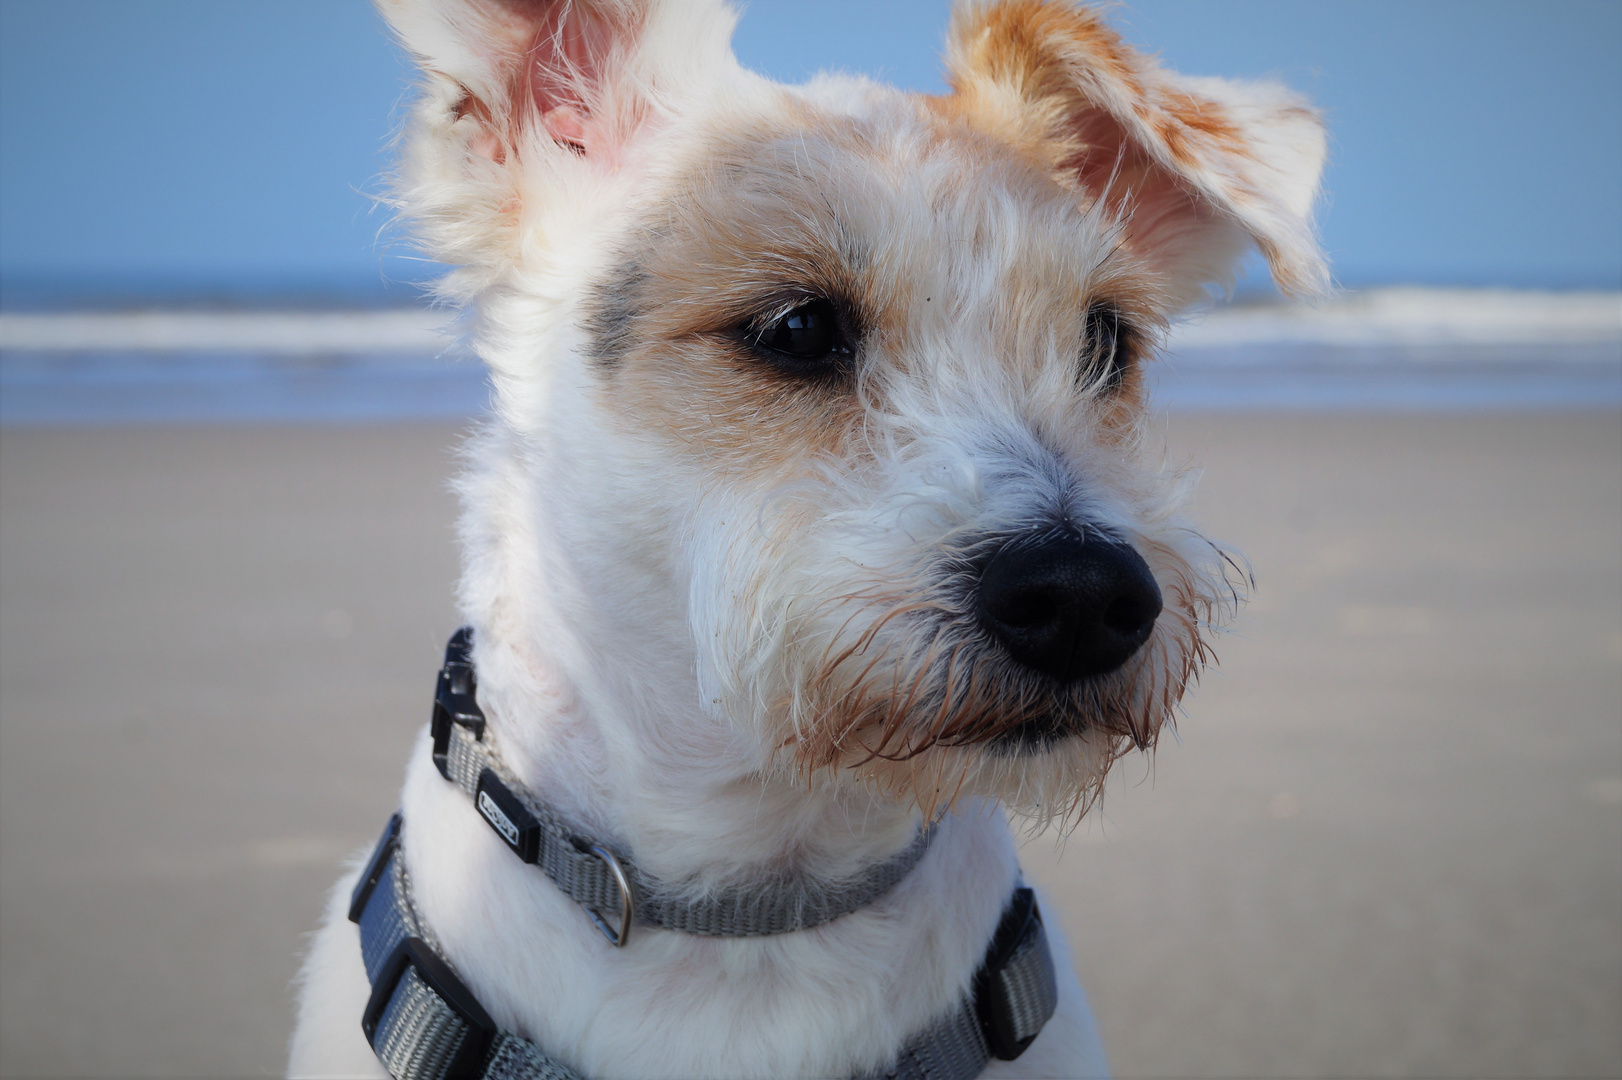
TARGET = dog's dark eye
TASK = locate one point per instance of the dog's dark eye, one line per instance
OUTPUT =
(1105, 351)
(807, 336)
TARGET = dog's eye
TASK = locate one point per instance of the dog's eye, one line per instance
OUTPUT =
(1105, 353)
(806, 335)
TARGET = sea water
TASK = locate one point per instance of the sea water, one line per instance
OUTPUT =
(1388, 349)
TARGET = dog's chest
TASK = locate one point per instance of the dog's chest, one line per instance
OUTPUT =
(808, 1003)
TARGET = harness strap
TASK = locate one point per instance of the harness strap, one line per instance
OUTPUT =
(425, 1024)
(596, 875)
(421, 1020)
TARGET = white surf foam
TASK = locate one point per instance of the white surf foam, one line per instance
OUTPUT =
(1414, 317)
(291, 333)
(1375, 318)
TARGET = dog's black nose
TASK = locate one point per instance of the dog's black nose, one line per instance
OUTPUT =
(1067, 605)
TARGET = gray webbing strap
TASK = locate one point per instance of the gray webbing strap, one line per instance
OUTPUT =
(1019, 993)
(424, 1023)
(585, 870)
(952, 1048)
(1015, 993)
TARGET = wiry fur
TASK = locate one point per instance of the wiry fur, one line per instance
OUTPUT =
(724, 613)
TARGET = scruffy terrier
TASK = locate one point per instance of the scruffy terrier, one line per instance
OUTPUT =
(811, 528)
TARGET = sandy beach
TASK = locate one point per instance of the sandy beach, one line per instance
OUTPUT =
(1388, 841)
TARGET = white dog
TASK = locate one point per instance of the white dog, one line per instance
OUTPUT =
(811, 528)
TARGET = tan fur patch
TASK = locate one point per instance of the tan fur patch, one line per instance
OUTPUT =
(965, 269)
(1057, 83)
(755, 228)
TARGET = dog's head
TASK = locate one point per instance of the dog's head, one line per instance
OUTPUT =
(833, 395)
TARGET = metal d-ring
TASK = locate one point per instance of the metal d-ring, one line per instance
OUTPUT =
(627, 899)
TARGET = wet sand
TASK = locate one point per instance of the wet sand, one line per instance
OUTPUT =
(1388, 842)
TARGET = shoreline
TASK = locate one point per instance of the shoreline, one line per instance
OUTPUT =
(1402, 349)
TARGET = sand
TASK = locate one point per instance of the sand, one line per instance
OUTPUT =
(1388, 842)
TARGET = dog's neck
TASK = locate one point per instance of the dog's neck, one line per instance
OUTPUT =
(605, 723)
(674, 786)
(681, 791)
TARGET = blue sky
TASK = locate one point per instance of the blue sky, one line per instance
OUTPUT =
(213, 146)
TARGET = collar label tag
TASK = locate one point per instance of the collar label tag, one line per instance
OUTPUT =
(503, 812)
(492, 813)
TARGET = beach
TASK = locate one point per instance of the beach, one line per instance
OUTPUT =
(1386, 841)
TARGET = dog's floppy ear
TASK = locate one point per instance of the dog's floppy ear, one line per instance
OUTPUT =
(529, 102)
(1198, 169)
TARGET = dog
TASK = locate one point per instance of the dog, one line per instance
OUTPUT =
(811, 533)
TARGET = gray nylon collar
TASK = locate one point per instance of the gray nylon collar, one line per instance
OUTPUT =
(601, 878)
(425, 1024)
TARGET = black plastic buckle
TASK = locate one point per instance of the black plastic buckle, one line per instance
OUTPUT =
(481, 1030)
(455, 697)
(375, 867)
(1020, 920)
(503, 812)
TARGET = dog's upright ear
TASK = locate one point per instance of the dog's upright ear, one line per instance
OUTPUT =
(1198, 169)
(531, 108)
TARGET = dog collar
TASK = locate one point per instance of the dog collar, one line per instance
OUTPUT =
(424, 1023)
(596, 875)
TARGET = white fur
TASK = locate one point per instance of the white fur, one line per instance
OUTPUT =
(822, 1002)
(653, 617)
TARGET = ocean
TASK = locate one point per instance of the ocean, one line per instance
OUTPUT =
(1394, 349)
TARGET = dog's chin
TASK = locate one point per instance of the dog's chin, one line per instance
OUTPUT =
(1041, 749)
(981, 701)
(956, 717)
(1030, 737)
(1063, 714)
(1050, 773)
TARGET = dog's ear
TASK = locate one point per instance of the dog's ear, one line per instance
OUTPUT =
(1198, 169)
(527, 103)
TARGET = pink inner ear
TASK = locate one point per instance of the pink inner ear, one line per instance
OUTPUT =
(564, 68)
(567, 126)
(487, 144)
(1164, 220)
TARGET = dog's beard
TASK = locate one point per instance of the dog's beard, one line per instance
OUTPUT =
(921, 703)
(891, 681)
